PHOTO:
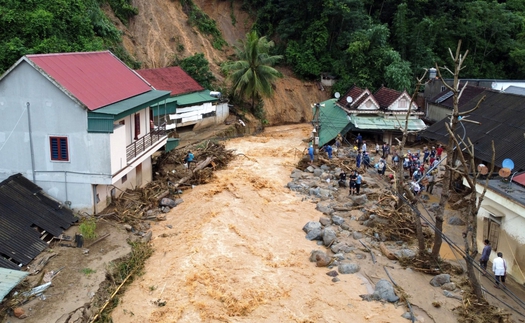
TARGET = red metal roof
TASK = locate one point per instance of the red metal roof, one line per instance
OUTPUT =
(96, 79)
(172, 79)
(520, 179)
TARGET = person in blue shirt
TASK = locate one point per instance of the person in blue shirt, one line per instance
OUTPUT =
(329, 150)
(358, 160)
(485, 254)
(359, 141)
(311, 154)
(189, 158)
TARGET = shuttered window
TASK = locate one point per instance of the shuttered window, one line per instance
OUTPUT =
(59, 148)
(491, 230)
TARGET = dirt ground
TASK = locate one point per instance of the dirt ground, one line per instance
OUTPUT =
(236, 252)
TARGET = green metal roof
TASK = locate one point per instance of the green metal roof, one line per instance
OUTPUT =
(9, 278)
(381, 123)
(332, 121)
(194, 98)
(129, 106)
(101, 120)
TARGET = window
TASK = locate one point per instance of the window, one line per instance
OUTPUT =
(59, 148)
(124, 178)
(403, 104)
(491, 229)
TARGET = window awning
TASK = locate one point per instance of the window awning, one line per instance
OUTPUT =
(381, 123)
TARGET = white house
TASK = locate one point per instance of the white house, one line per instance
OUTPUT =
(190, 106)
(78, 126)
(501, 220)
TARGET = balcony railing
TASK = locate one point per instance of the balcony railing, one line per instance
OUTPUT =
(142, 144)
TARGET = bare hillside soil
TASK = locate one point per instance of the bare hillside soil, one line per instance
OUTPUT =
(160, 32)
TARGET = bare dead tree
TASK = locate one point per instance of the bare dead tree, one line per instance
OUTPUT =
(458, 60)
(399, 175)
(466, 157)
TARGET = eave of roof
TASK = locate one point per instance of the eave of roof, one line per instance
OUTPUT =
(129, 106)
(380, 123)
(332, 120)
(9, 278)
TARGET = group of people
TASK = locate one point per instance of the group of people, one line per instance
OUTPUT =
(499, 265)
(354, 183)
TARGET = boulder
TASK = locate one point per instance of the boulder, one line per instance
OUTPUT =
(337, 220)
(315, 234)
(322, 260)
(405, 253)
(325, 207)
(19, 313)
(318, 172)
(314, 253)
(359, 199)
(329, 236)
(325, 221)
(310, 169)
(341, 247)
(449, 286)
(385, 291)
(357, 235)
(455, 221)
(169, 202)
(348, 268)
(440, 280)
(311, 225)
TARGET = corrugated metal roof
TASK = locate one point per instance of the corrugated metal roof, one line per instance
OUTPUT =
(96, 79)
(445, 98)
(133, 104)
(332, 121)
(9, 278)
(515, 90)
(194, 98)
(380, 123)
(172, 79)
(23, 209)
(502, 121)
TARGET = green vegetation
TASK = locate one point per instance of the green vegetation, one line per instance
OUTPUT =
(123, 9)
(88, 227)
(88, 271)
(388, 42)
(198, 67)
(53, 26)
(252, 74)
(196, 17)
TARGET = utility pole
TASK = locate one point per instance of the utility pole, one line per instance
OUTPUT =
(315, 131)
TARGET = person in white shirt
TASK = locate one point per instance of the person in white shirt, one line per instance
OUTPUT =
(499, 267)
(363, 147)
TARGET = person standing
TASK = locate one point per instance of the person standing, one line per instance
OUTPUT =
(358, 182)
(352, 183)
(189, 158)
(366, 160)
(342, 179)
(363, 147)
(358, 159)
(359, 141)
(485, 254)
(431, 181)
(329, 150)
(499, 267)
(439, 151)
(311, 154)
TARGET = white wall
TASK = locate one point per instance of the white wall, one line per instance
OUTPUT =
(511, 240)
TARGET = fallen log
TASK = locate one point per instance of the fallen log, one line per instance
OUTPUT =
(386, 252)
(199, 166)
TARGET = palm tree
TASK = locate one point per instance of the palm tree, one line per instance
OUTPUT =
(252, 75)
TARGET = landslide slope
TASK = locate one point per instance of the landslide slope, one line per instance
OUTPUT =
(161, 32)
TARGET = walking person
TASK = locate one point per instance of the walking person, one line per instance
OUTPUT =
(358, 159)
(363, 146)
(366, 161)
(359, 141)
(352, 183)
(329, 150)
(189, 158)
(499, 267)
(485, 254)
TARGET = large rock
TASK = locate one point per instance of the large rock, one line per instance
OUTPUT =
(440, 280)
(325, 207)
(310, 169)
(169, 202)
(311, 225)
(455, 221)
(357, 235)
(405, 253)
(314, 253)
(341, 247)
(337, 220)
(296, 174)
(348, 268)
(329, 236)
(383, 291)
(359, 199)
(325, 221)
(315, 234)
(318, 172)
(449, 286)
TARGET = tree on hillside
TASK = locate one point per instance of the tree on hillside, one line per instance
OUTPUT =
(252, 75)
(198, 67)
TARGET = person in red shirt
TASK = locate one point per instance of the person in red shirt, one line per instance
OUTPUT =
(439, 151)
